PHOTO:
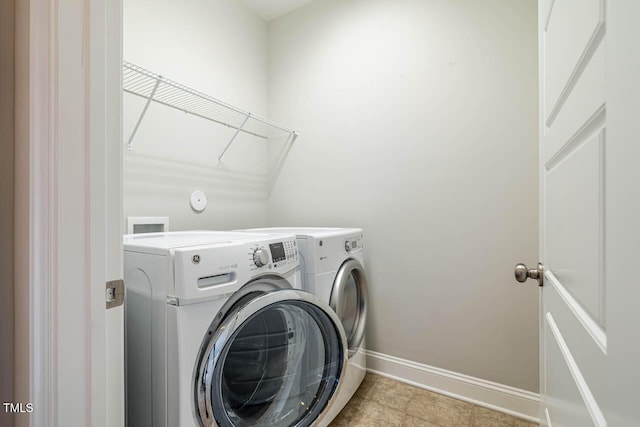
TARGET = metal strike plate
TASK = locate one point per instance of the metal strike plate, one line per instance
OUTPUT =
(115, 293)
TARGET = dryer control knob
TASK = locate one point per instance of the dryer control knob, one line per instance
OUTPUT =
(347, 246)
(260, 257)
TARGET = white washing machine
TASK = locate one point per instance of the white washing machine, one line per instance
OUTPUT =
(333, 269)
(218, 333)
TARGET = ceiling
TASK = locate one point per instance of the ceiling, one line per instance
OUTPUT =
(271, 9)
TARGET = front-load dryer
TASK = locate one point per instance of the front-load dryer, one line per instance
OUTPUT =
(333, 269)
(218, 333)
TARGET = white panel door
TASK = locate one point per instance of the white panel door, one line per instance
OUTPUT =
(579, 162)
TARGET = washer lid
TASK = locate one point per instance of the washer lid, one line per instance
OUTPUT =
(274, 358)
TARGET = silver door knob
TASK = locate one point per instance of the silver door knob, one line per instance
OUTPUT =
(523, 273)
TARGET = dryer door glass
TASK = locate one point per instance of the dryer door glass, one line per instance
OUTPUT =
(349, 300)
(275, 362)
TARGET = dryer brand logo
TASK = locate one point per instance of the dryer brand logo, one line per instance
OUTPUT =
(18, 408)
(322, 258)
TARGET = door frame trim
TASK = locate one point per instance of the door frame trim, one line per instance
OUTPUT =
(68, 213)
(36, 206)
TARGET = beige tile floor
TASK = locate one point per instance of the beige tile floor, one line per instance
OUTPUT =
(384, 402)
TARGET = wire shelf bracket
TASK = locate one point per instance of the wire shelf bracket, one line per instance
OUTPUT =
(274, 172)
(232, 139)
(154, 87)
(144, 110)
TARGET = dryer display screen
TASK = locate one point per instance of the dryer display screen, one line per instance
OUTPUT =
(277, 251)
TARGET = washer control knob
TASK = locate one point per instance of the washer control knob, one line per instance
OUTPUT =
(347, 246)
(260, 257)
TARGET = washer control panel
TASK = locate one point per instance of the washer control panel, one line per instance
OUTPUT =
(275, 254)
(290, 250)
(260, 257)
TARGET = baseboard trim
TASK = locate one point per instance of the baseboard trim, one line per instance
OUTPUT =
(500, 397)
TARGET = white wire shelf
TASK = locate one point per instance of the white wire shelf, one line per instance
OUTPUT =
(153, 87)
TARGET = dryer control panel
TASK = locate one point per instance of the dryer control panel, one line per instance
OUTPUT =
(353, 243)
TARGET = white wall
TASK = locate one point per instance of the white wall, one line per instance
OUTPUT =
(418, 123)
(219, 48)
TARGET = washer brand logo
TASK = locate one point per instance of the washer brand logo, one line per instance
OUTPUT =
(18, 408)
(323, 258)
(195, 259)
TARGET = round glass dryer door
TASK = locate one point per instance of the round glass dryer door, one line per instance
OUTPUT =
(275, 360)
(349, 301)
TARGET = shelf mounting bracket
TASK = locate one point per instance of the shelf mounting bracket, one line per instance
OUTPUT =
(238, 129)
(274, 172)
(144, 110)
